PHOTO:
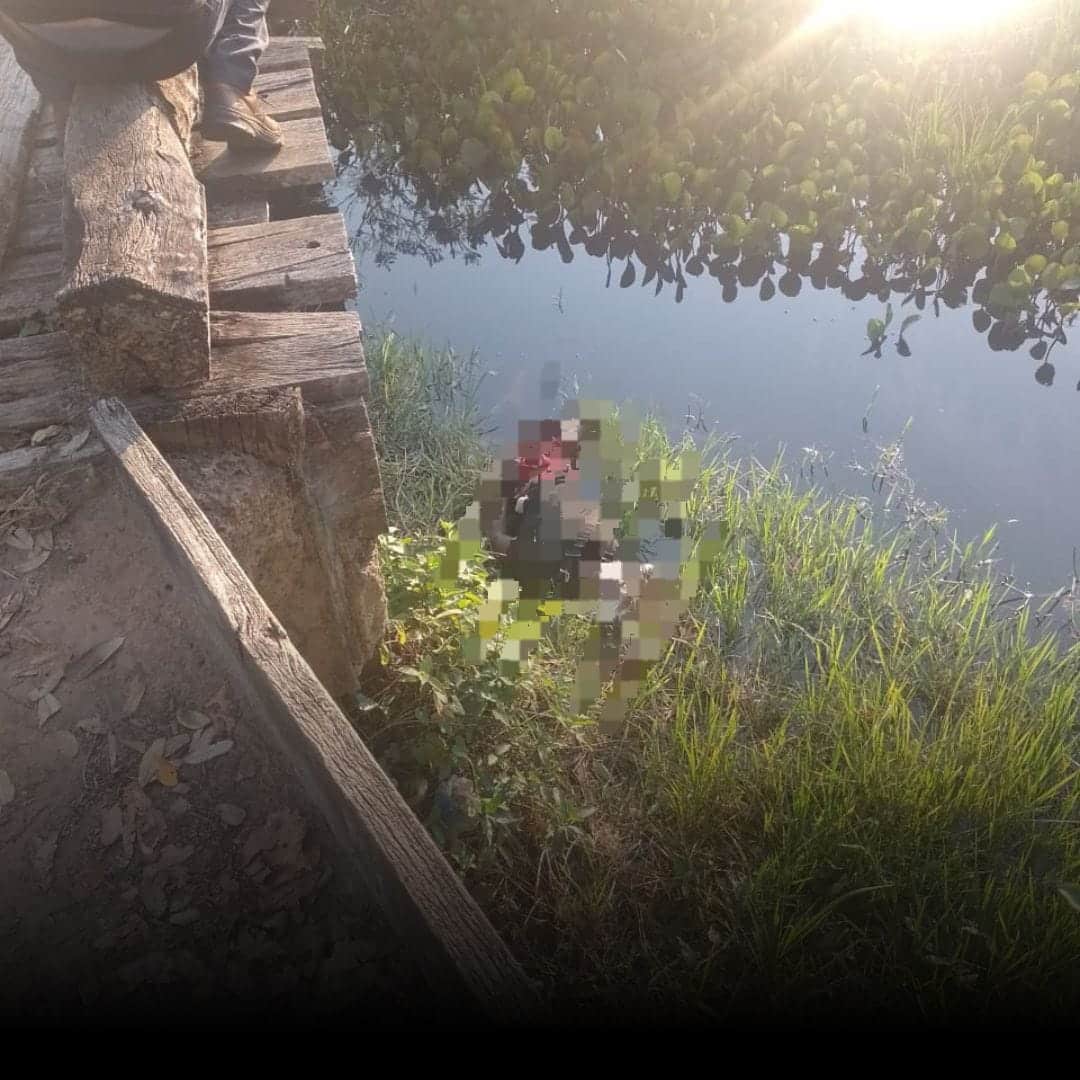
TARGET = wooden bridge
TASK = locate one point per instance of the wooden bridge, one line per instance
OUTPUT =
(189, 513)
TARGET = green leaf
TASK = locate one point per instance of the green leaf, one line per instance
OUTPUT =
(673, 185)
(875, 329)
(554, 139)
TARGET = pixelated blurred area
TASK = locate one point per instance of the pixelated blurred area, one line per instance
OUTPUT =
(581, 525)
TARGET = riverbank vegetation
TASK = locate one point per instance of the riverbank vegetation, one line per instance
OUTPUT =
(753, 141)
(850, 788)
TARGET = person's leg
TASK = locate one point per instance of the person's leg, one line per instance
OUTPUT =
(234, 113)
(234, 56)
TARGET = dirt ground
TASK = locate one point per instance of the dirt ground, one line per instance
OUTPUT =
(156, 857)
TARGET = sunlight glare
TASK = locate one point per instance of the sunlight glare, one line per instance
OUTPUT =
(923, 18)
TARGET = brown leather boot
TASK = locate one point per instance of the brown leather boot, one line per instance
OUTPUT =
(241, 120)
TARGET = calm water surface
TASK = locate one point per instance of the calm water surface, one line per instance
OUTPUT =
(986, 439)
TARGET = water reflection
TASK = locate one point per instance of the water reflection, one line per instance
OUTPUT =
(390, 216)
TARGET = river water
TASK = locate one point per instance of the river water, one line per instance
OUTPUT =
(982, 436)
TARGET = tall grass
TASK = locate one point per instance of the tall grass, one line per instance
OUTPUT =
(850, 786)
(428, 428)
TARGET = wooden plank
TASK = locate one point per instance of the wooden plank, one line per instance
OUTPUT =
(19, 105)
(304, 159)
(28, 287)
(255, 267)
(378, 836)
(321, 354)
(289, 95)
(304, 262)
(135, 297)
(237, 210)
(39, 230)
(284, 53)
(45, 177)
(37, 383)
(24, 466)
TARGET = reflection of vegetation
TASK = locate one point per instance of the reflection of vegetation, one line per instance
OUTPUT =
(851, 784)
(680, 138)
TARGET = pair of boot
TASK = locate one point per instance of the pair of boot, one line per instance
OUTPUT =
(239, 119)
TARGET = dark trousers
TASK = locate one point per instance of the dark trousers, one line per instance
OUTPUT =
(233, 56)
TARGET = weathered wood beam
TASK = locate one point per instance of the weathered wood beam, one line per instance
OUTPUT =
(289, 94)
(135, 298)
(321, 354)
(304, 159)
(300, 263)
(296, 263)
(284, 53)
(19, 105)
(234, 210)
(385, 846)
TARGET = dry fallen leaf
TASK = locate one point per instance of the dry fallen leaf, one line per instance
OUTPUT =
(175, 744)
(112, 824)
(44, 434)
(55, 678)
(20, 539)
(92, 724)
(47, 706)
(44, 540)
(7, 788)
(166, 774)
(148, 766)
(66, 743)
(39, 558)
(93, 658)
(10, 607)
(192, 720)
(135, 693)
(75, 442)
(232, 815)
(203, 750)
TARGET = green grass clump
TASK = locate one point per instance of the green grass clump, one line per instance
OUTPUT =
(851, 785)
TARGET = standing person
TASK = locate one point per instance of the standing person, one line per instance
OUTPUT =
(61, 42)
(234, 113)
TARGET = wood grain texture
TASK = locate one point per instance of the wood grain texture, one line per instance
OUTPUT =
(251, 266)
(284, 53)
(378, 836)
(28, 285)
(226, 211)
(135, 297)
(289, 94)
(19, 105)
(304, 159)
(24, 466)
(300, 263)
(253, 353)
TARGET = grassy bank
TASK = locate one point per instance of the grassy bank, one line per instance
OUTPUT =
(851, 786)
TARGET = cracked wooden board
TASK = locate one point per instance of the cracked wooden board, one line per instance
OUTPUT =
(321, 353)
